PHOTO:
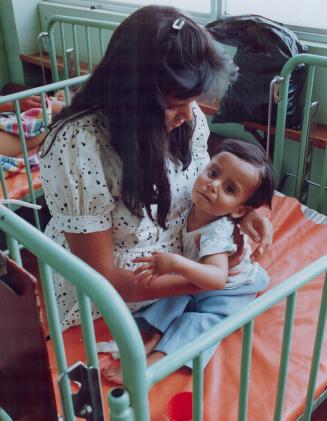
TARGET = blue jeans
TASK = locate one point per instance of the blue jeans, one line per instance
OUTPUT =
(183, 318)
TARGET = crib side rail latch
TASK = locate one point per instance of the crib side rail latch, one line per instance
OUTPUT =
(87, 400)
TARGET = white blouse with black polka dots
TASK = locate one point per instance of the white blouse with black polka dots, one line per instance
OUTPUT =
(81, 176)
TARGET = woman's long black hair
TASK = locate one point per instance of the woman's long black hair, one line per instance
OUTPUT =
(146, 60)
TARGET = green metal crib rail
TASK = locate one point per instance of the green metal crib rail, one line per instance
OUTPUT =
(42, 91)
(131, 402)
(91, 286)
(77, 41)
(245, 319)
(302, 179)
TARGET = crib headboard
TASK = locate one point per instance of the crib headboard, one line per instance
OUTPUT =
(76, 40)
(302, 175)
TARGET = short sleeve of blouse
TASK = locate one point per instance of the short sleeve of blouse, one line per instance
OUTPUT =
(217, 237)
(74, 181)
(200, 138)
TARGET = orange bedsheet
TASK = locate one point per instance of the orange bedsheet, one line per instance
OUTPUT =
(17, 185)
(297, 242)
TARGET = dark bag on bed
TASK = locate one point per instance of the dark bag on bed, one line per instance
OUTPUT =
(263, 47)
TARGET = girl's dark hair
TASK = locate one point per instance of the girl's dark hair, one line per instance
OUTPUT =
(255, 155)
(146, 60)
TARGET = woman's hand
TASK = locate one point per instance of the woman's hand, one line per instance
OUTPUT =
(260, 230)
(235, 259)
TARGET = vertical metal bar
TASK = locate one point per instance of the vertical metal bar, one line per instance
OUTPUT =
(245, 371)
(276, 79)
(304, 132)
(89, 339)
(218, 8)
(45, 113)
(63, 43)
(308, 152)
(56, 335)
(101, 42)
(286, 346)
(88, 48)
(280, 127)
(75, 43)
(3, 184)
(12, 243)
(71, 63)
(41, 45)
(316, 353)
(53, 57)
(67, 95)
(323, 185)
(85, 309)
(198, 388)
(27, 166)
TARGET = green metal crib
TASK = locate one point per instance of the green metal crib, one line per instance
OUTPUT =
(130, 402)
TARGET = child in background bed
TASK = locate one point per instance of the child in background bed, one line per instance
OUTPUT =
(32, 121)
(238, 179)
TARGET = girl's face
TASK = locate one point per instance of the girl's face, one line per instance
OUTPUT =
(177, 112)
(224, 186)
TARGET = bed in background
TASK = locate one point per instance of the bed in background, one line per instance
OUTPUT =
(19, 176)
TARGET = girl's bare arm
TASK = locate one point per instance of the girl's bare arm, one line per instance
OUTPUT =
(211, 273)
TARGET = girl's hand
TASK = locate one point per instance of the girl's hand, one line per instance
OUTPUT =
(260, 230)
(155, 265)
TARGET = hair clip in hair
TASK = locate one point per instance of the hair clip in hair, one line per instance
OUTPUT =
(178, 24)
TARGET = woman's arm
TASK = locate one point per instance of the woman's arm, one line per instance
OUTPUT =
(96, 249)
(259, 229)
(210, 274)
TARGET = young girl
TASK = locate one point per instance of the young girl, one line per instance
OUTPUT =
(237, 180)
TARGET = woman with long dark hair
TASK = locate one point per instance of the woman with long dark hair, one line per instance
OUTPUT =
(119, 163)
